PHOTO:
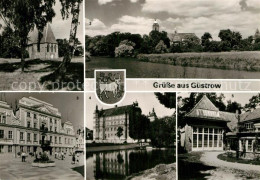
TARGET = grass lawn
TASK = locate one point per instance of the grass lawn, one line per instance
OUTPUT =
(224, 157)
(79, 169)
(244, 60)
(38, 75)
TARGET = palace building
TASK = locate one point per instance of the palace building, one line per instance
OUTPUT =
(48, 48)
(107, 122)
(34, 125)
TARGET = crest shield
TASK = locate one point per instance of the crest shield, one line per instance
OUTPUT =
(110, 85)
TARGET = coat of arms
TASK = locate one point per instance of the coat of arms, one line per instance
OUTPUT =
(110, 85)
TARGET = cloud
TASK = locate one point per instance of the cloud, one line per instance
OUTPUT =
(95, 27)
(102, 2)
(133, 1)
(193, 8)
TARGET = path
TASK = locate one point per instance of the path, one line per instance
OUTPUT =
(12, 168)
(228, 170)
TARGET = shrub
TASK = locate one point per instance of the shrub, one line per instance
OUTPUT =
(161, 47)
(125, 49)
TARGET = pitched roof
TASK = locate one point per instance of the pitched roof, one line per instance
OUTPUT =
(116, 110)
(180, 36)
(48, 36)
(206, 109)
(247, 116)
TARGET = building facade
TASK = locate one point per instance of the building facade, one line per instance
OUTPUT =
(107, 122)
(48, 48)
(80, 140)
(205, 127)
(178, 38)
(33, 125)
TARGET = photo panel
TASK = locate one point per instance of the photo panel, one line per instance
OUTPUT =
(218, 135)
(42, 45)
(132, 138)
(42, 136)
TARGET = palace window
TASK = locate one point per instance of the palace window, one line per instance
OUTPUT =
(48, 47)
(3, 119)
(50, 120)
(10, 149)
(1, 134)
(21, 148)
(28, 149)
(28, 124)
(65, 140)
(249, 126)
(28, 136)
(28, 114)
(60, 140)
(34, 137)
(35, 125)
(50, 128)
(35, 116)
(21, 136)
(51, 47)
(55, 129)
(55, 48)
(55, 121)
(10, 134)
(55, 139)
(51, 139)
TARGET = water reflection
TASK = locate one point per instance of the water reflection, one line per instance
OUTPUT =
(122, 163)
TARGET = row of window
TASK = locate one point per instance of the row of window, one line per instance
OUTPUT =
(10, 134)
(51, 48)
(35, 126)
(115, 117)
(35, 117)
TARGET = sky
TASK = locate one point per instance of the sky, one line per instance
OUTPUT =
(146, 101)
(241, 98)
(60, 27)
(185, 16)
(70, 107)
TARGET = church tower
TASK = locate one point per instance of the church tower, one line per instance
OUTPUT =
(155, 26)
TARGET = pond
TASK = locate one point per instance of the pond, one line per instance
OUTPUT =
(139, 69)
(122, 163)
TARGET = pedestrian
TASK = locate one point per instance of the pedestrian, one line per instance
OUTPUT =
(23, 157)
(73, 158)
(62, 155)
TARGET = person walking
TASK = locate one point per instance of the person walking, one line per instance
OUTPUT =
(23, 156)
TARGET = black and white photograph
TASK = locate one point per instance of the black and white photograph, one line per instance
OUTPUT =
(42, 136)
(41, 45)
(218, 135)
(134, 139)
(206, 39)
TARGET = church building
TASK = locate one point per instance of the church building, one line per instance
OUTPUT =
(48, 49)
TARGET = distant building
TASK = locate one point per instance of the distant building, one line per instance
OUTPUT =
(177, 38)
(155, 26)
(256, 36)
(48, 49)
(152, 115)
(80, 140)
(22, 129)
(107, 121)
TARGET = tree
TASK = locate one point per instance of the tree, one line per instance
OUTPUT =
(119, 132)
(233, 107)
(69, 7)
(167, 99)
(125, 49)
(162, 132)
(253, 102)
(205, 41)
(23, 16)
(161, 47)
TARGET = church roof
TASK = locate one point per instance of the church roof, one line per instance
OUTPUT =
(175, 37)
(48, 36)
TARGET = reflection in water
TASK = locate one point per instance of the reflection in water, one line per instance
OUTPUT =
(122, 163)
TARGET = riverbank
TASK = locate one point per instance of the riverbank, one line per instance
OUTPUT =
(111, 148)
(161, 171)
(246, 60)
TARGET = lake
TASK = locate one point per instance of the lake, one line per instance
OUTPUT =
(122, 163)
(139, 69)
